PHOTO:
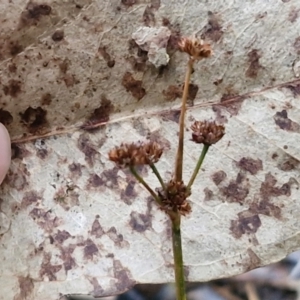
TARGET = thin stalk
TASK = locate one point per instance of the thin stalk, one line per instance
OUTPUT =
(155, 171)
(142, 181)
(178, 260)
(179, 156)
(198, 166)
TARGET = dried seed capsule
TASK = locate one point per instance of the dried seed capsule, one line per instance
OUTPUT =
(206, 132)
(136, 154)
(195, 48)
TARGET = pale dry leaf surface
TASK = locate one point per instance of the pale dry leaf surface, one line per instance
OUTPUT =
(73, 223)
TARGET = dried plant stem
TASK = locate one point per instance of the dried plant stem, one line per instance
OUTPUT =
(198, 166)
(178, 260)
(155, 171)
(179, 156)
(142, 181)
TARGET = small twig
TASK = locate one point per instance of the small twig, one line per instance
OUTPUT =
(251, 291)
(179, 156)
(198, 166)
(155, 171)
(142, 181)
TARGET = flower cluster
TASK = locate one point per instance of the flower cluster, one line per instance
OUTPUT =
(206, 132)
(136, 154)
(174, 197)
(195, 48)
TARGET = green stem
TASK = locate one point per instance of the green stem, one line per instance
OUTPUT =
(142, 181)
(198, 166)
(155, 171)
(179, 156)
(178, 260)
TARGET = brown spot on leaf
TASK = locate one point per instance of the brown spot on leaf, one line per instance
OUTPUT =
(95, 181)
(293, 14)
(171, 115)
(128, 2)
(26, 288)
(45, 219)
(220, 118)
(61, 236)
(288, 163)
(294, 87)
(140, 222)
(247, 223)
(13, 88)
(98, 291)
(49, 270)
(155, 4)
(86, 146)
(34, 118)
(42, 153)
(75, 169)
(30, 198)
(232, 102)
(172, 93)
(283, 122)
(19, 151)
(193, 90)
(46, 99)
(175, 35)
(90, 249)
(33, 13)
(297, 44)
(66, 256)
(100, 114)
(115, 237)
(251, 165)
(138, 62)
(64, 66)
(208, 194)
(252, 262)
(128, 195)
(58, 35)
(108, 178)
(218, 177)
(269, 190)
(5, 117)
(12, 68)
(253, 59)
(109, 61)
(133, 86)
(97, 229)
(123, 276)
(14, 48)
(18, 180)
(148, 16)
(70, 80)
(213, 30)
(237, 190)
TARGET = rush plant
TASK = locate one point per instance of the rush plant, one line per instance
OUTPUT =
(172, 195)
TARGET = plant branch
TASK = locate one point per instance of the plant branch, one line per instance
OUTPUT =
(155, 171)
(179, 156)
(178, 260)
(142, 181)
(198, 166)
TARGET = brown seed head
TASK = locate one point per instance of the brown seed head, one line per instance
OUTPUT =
(207, 132)
(136, 154)
(195, 48)
(175, 197)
